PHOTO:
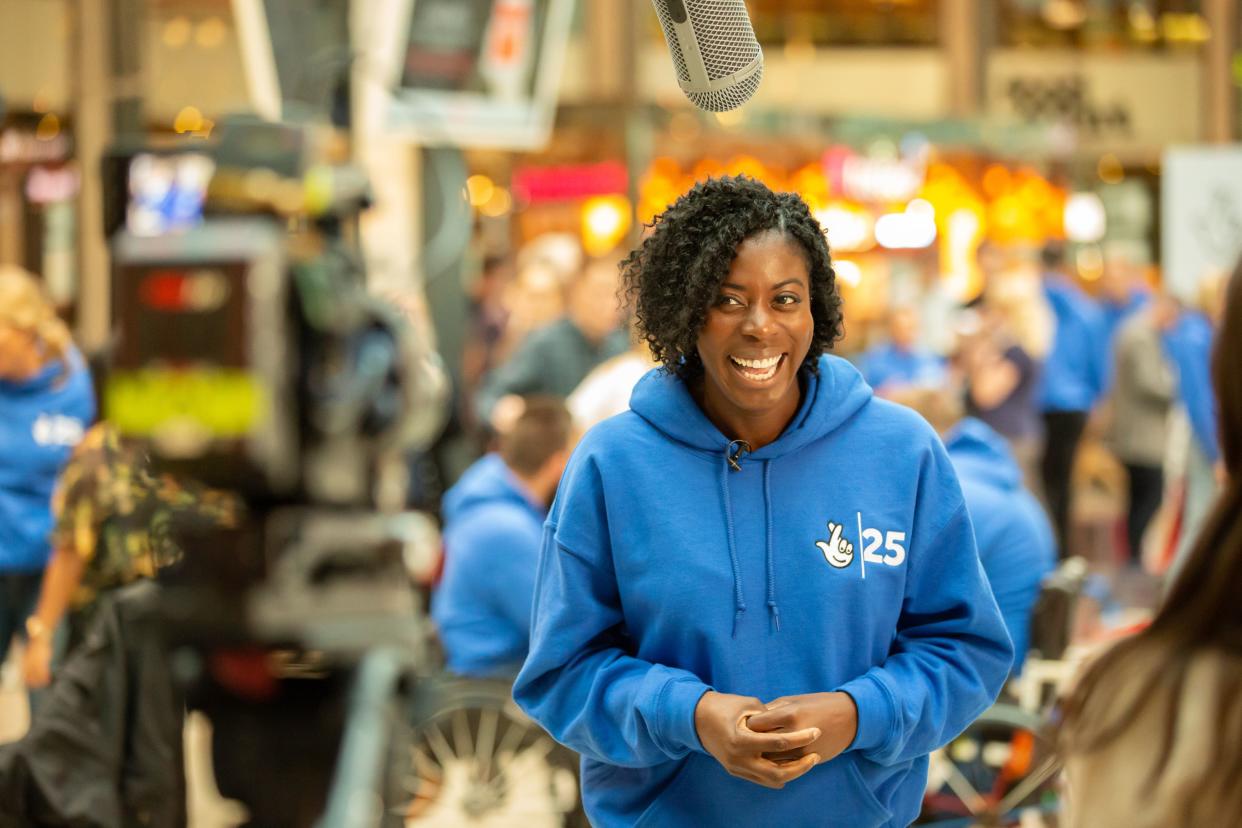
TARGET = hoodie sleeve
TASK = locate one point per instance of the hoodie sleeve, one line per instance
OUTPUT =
(581, 681)
(951, 653)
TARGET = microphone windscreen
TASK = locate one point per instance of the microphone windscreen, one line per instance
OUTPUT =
(718, 60)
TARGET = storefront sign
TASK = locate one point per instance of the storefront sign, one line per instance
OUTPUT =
(568, 183)
(874, 179)
(1131, 104)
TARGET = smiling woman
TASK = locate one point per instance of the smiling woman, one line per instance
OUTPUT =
(755, 472)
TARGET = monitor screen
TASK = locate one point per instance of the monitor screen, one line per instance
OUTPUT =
(481, 73)
(166, 192)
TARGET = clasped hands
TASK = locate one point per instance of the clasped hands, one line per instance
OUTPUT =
(773, 744)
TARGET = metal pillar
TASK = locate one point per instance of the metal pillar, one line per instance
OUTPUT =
(1221, 95)
(961, 36)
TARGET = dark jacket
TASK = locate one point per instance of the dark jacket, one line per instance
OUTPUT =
(105, 749)
(551, 360)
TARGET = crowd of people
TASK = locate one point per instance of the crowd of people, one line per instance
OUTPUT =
(712, 547)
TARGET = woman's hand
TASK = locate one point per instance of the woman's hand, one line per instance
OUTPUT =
(37, 662)
(720, 719)
(832, 714)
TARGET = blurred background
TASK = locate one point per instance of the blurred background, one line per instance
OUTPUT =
(956, 152)
(1017, 120)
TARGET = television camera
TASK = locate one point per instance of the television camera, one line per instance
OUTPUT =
(249, 356)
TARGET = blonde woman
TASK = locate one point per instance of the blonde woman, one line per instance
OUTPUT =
(45, 406)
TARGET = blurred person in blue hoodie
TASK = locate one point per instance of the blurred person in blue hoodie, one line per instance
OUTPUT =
(1074, 378)
(759, 600)
(1016, 544)
(1189, 346)
(901, 361)
(493, 529)
(46, 404)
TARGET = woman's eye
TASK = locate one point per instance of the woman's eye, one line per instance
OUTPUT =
(729, 301)
(788, 299)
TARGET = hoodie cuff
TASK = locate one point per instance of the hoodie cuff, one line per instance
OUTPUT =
(680, 698)
(875, 712)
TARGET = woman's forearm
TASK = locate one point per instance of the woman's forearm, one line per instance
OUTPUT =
(60, 581)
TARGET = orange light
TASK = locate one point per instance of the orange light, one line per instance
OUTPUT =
(189, 119)
(996, 180)
(605, 221)
(48, 128)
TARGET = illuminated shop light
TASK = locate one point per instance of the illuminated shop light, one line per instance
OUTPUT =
(912, 230)
(847, 272)
(605, 221)
(848, 230)
(1085, 220)
(498, 205)
(479, 189)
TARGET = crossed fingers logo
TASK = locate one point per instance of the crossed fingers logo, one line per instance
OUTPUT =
(838, 552)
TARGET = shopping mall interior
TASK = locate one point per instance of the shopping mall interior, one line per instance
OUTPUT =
(333, 273)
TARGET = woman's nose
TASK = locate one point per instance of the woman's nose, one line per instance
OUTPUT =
(758, 320)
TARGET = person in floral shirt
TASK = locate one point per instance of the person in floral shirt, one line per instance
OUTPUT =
(114, 519)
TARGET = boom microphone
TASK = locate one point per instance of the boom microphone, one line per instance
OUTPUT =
(718, 60)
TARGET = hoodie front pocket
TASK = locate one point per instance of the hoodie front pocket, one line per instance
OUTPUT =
(877, 813)
(658, 812)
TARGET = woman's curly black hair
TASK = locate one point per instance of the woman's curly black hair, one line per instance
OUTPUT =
(675, 274)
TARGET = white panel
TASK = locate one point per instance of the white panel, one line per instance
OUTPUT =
(1201, 215)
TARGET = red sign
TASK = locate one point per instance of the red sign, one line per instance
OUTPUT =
(535, 184)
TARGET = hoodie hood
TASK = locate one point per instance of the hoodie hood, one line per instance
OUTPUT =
(979, 452)
(829, 398)
(487, 482)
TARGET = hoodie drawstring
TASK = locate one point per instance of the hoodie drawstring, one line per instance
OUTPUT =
(773, 609)
(732, 458)
(739, 603)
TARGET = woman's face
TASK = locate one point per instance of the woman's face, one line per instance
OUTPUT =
(758, 330)
(19, 354)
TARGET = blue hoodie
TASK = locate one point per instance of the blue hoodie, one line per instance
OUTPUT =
(41, 420)
(888, 364)
(492, 534)
(1016, 544)
(1189, 346)
(665, 574)
(1075, 373)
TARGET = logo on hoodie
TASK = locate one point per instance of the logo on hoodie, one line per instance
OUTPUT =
(838, 552)
(57, 430)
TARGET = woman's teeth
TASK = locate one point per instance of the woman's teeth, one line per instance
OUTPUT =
(757, 369)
